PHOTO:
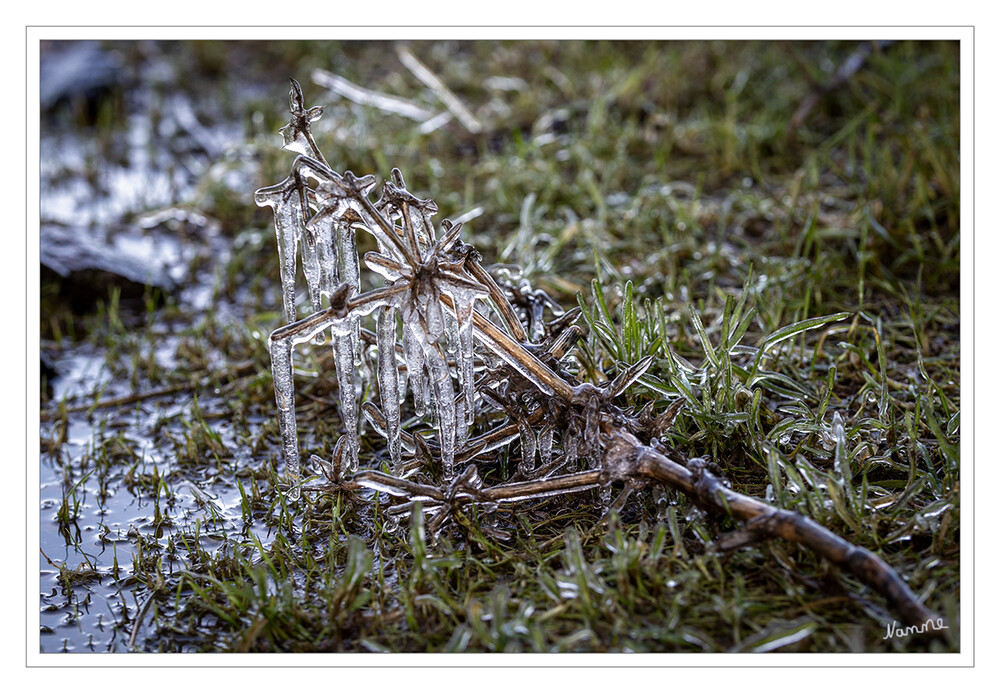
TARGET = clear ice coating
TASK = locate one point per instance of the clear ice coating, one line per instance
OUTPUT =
(444, 397)
(464, 302)
(284, 394)
(528, 446)
(416, 375)
(545, 439)
(432, 285)
(281, 343)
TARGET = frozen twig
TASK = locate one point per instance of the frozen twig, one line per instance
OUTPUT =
(438, 121)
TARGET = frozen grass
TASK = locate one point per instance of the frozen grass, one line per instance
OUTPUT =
(797, 287)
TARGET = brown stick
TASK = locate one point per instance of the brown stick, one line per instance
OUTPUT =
(626, 458)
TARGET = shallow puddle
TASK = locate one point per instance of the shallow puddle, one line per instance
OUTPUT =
(114, 485)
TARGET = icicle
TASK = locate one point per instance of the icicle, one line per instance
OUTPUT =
(388, 383)
(450, 336)
(310, 268)
(571, 447)
(444, 396)
(528, 445)
(433, 315)
(343, 357)
(329, 272)
(280, 345)
(284, 395)
(462, 434)
(350, 272)
(284, 199)
(413, 352)
(321, 262)
(466, 354)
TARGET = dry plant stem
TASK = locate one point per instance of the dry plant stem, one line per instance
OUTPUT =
(626, 458)
(367, 97)
(452, 102)
(238, 370)
(526, 490)
(517, 356)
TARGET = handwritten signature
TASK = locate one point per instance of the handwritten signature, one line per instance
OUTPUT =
(894, 631)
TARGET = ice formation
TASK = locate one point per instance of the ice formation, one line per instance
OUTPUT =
(432, 286)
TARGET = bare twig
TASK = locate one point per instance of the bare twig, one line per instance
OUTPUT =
(238, 370)
(421, 72)
(368, 97)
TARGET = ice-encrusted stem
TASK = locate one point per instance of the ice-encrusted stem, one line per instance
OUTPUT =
(522, 360)
(385, 233)
(498, 299)
(297, 134)
(626, 458)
